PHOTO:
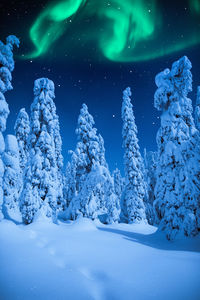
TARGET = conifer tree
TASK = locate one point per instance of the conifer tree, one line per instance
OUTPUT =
(150, 162)
(70, 180)
(177, 190)
(43, 188)
(118, 186)
(111, 198)
(6, 67)
(22, 130)
(197, 109)
(85, 156)
(87, 150)
(92, 176)
(12, 181)
(133, 209)
(102, 158)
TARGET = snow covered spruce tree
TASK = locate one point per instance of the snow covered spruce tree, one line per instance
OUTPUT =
(43, 188)
(118, 185)
(69, 189)
(12, 181)
(150, 161)
(97, 196)
(133, 209)
(197, 109)
(177, 190)
(102, 151)
(22, 130)
(6, 67)
(94, 185)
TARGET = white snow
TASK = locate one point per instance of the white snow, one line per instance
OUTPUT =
(85, 259)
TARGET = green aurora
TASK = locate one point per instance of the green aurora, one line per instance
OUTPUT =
(131, 30)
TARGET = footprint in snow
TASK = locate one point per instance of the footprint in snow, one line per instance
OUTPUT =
(42, 243)
(86, 273)
(51, 251)
(97, 288)
(32, 234)
(93, 275)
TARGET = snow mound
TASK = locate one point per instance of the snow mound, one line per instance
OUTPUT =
(84, 224)
(41, 216)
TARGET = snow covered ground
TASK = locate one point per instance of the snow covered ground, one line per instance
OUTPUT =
(89, 260)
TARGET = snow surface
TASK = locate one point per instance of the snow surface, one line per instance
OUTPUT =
(85, 259)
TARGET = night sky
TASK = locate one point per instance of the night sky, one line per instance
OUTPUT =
(94, 54)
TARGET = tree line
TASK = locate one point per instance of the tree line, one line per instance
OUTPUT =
(160, 188)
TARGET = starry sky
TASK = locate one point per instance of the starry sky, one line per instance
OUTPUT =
(93, 50)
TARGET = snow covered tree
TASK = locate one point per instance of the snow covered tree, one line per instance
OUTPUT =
(87, 201)
(91, 172)
(22, 130)
(12, 181)
(97, 188)
(177, 190)
(133, 209)
(70, 180)
(6, 67)
(2, 149)
(197, 109)
(102, 158)
(87, 150)
(150, 161)
(43, 188)
(118, 185)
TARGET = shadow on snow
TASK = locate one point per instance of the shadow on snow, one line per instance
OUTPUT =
(158, 240)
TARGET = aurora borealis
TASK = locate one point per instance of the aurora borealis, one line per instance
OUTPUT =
(49, 25)
(130, 30)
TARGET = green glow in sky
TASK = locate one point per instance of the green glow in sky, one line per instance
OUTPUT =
(50, 24)
(195, 6)
(132, 30)
(128, 23)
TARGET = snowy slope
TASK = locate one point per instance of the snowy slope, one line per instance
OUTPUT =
(88, 260)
